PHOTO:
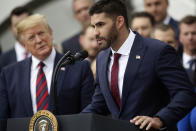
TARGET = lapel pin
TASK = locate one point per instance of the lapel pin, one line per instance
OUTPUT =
(63, 68)
(138, 57)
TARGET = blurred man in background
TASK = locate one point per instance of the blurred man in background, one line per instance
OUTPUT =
(158, 9)
(89, 43)
(80, 10)
(188, 38)
(18, 53)
(143, 23)
(166, 34)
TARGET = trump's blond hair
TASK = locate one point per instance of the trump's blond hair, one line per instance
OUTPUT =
(31, 21)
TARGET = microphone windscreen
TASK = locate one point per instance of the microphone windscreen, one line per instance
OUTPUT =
(84, 54)
(81, 55)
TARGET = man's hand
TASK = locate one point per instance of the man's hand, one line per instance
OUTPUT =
(148, 122)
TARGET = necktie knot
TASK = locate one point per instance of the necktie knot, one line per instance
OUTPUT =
(41, 64)
(192, 62)
(25, 54)
(116, 56)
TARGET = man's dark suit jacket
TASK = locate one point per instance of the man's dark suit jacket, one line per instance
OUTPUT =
(74, 84)
(72, 44)
(7, 58)
(155, 84)
(173, 23)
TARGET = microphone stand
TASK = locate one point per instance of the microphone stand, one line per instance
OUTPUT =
(54, 81)
(69, 59)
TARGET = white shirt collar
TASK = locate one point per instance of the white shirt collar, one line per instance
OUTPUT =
(186, 59)
(20, 51)
(18, 46)
(126, 46)
(48, 61)
(166, 20)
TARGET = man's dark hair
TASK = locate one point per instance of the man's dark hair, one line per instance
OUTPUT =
(111, 8)
(143, 14)
(189, 19)
(18, 11)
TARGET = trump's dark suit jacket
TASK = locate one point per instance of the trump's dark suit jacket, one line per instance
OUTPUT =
(7, 58)
(74, 84)
(155, 84)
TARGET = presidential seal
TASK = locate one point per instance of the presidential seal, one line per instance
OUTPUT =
(43, 120)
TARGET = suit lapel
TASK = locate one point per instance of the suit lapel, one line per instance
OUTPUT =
(104, 66)
(135, 57)
(26, 87)
(106, 88)
(103, 69)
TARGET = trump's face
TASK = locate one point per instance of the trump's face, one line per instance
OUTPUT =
(38, 41)
(105, 29)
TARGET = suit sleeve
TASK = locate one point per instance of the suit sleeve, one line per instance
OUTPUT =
(182, 97)
(3, 102)
(98, 104)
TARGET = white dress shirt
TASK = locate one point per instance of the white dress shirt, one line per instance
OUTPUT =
(124, 50)
(186, 60)
(48, 70)
(167, 20)
(20, 51)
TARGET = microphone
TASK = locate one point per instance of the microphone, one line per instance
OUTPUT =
(81, 55)
(78, 56)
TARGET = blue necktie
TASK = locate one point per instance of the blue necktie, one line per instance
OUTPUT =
(192, 70)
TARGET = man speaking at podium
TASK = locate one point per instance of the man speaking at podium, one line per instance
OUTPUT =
(138, 79)
(25, 87)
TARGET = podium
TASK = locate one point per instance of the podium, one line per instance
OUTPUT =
(78, 122)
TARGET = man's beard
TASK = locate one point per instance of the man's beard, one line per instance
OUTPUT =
(112, 37)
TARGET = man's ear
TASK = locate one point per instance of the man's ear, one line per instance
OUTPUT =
(120, 21)
(21, 41)
(23, 44)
